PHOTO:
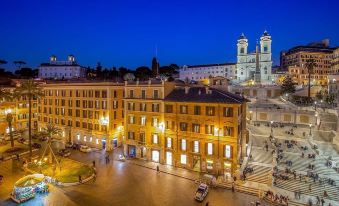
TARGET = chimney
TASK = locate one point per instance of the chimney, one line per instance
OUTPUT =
(187, 90)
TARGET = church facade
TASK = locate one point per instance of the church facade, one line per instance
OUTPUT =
(254, 66)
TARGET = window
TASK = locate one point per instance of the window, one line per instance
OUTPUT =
(130, 135)
(104, 104)
(77, 103)
(154, 122)
(115, 104)
(228, 151)
(196, 128)
(143, 120)
(131, 106)
(169, 108)
(142, 138)
(97, 104)
(210, 111)
(104, 94)
(155, 108)
(242, 50)
(196, 146)
(265, 48)
(183, 159)
(77, 113)
(155, 139)
(155, 94)
(209, 129)
(143, 94)
(169, 142)
(209, 148)
(143, 107)
(197, 110)
(131, 120)
(97, 94)
(183, 145)
(131, 93)
(183, 126)
(228, 131)
(183, 109)
(228, 112)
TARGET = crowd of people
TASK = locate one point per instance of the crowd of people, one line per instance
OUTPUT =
(275, 198)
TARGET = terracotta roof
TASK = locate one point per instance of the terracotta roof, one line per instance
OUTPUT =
(214, 96)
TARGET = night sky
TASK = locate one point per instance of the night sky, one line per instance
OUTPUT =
(125, 33)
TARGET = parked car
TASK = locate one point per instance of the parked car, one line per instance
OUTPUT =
(26, 142)
(21, 140)
(36, 145)
(76, 146)
(69, 145)
(43, 138)
(85, 148)
(201, 192)
(64, 152)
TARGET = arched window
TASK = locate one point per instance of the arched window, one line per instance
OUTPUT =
(242, 50)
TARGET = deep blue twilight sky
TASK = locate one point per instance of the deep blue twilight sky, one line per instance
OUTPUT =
(124, 32)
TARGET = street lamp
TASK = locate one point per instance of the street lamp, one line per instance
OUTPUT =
(272, 128)
(315, 105)
(310, 129)
(9, 119)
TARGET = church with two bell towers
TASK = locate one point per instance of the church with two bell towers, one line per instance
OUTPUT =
(254, 66)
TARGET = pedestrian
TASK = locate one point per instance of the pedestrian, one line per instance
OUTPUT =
(93, 163)
(322, 201)
(318, 200)
(295, 194)
(1, 178)
(300, 177)
(325, 194)
(310, 188)
(158, 169)
(233, 189)
(17, 157)
(206, 203)
(80, 180)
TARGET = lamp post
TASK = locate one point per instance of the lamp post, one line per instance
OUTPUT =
(315, 105)
(272, 128)
(310, 129)
(9, 119)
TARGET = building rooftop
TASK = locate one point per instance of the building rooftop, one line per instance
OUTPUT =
(203, 95)
(209, 65)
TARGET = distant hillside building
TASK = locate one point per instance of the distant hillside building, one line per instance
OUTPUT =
(294, 61)
(255, 66)
(204, 72)
(61, 69)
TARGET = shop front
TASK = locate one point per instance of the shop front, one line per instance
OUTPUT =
(131, 151)
(169, 158)
(155, 155)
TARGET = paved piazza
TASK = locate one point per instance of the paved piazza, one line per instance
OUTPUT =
(123, 183)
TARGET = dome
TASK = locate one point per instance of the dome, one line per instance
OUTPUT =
(266, 33)
(242, 36)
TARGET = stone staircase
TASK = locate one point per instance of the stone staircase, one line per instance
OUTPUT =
(317, 189)
(260, 174)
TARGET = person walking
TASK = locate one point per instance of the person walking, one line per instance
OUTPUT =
(158, 169)
(233, 189)
(93, 163)
(318, 200)
(206, 203)
(80, 179)
(322, 201)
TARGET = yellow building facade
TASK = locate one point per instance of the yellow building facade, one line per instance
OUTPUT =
(87, 113)
(19, 110)
(196, 128)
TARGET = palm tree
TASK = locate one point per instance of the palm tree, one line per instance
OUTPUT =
(7, 96)
(30, 90)
(51, 130)
(310, 64)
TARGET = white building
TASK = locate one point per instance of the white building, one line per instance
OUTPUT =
(61, 69)
(204, 72)
(256, 66)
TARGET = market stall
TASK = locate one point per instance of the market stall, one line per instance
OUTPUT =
(27, 187)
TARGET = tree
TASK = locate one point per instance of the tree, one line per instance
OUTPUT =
(50, 130)
(287, 86)
(330, 99)
(2, 62)
(319, 95)
(98, 70)
(310, 64)
(19, 63)
(143, 73)
(25, 72)
(31, 91)
(6, 95)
